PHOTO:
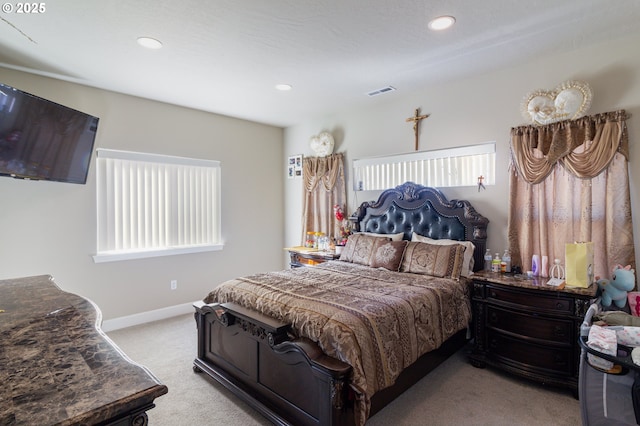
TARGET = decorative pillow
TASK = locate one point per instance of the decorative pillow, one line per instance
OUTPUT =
(359, 248)
(394, 237)
(388, 254)
(443, 261)
(468, 261)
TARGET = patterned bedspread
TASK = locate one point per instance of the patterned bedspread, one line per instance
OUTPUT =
(377, 321)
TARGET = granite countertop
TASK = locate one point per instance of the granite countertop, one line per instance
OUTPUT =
(535, 283)
(57, 366)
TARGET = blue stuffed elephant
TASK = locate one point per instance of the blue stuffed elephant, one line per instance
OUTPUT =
(615, 290)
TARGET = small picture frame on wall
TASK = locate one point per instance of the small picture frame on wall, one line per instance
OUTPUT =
(294, 166)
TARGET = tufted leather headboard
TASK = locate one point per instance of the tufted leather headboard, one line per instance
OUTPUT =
(415, 208)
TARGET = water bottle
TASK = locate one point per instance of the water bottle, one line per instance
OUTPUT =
(506, 259)
(487, 260)
(495, 263)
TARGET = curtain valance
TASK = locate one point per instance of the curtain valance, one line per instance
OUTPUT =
(325, 170)
(584, 146)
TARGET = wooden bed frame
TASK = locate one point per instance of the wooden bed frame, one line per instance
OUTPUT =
(291, 381)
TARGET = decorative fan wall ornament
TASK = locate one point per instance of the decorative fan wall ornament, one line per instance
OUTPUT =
(568, 101)
(322, 144)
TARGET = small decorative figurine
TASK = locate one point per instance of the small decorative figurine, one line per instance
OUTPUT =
(557, 271)
(481, 183)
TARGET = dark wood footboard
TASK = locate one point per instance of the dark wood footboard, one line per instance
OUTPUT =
(289, 381)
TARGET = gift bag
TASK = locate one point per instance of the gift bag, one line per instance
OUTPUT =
(634, 302)
(579, 264)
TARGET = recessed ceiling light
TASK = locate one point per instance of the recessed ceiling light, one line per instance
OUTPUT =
(441, 23)
(149, 43)
(283, 87)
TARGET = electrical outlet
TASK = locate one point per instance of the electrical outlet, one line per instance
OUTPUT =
(174, 284)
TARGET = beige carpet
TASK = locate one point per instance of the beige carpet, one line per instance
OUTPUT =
(456, 393)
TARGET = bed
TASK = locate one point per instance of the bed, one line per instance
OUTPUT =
(335, 343)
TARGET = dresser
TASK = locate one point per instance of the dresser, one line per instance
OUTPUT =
(526, 327)
(302, 256)
(59, 368)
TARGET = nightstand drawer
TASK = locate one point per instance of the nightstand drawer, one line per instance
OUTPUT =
(531, 326)
(557, 360)
(555, 304)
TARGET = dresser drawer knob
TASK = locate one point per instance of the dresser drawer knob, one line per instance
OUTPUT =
(560, 360)
(493, 294)
(559, 331)
(493, 317)
(559, 305)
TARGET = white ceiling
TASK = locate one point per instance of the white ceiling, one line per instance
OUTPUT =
(226, 56)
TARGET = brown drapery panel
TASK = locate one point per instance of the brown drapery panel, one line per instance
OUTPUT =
(569, 182)
(323, 188)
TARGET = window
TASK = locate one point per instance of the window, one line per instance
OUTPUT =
(570, 182)
(155, 205)
(460, 166)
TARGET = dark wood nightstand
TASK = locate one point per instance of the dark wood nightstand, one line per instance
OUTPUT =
(528, 328)
(302, 256)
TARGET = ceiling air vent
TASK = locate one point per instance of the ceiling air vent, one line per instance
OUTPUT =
(381, 91)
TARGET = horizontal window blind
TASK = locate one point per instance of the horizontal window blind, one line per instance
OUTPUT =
(440, 168)
(150, 205)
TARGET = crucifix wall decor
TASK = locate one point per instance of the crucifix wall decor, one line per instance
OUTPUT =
(416, 121)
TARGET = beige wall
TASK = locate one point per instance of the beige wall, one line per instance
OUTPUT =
(49, 227)
(479, 109)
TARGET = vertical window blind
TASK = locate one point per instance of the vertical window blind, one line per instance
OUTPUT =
(450, 167)
(155, 205)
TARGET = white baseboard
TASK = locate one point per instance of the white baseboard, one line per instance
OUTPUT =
(145, 317)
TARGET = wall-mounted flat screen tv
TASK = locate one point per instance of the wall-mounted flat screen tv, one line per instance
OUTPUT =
(43, 140)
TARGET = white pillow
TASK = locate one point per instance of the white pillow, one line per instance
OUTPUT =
(394, 237)
(468, 261)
